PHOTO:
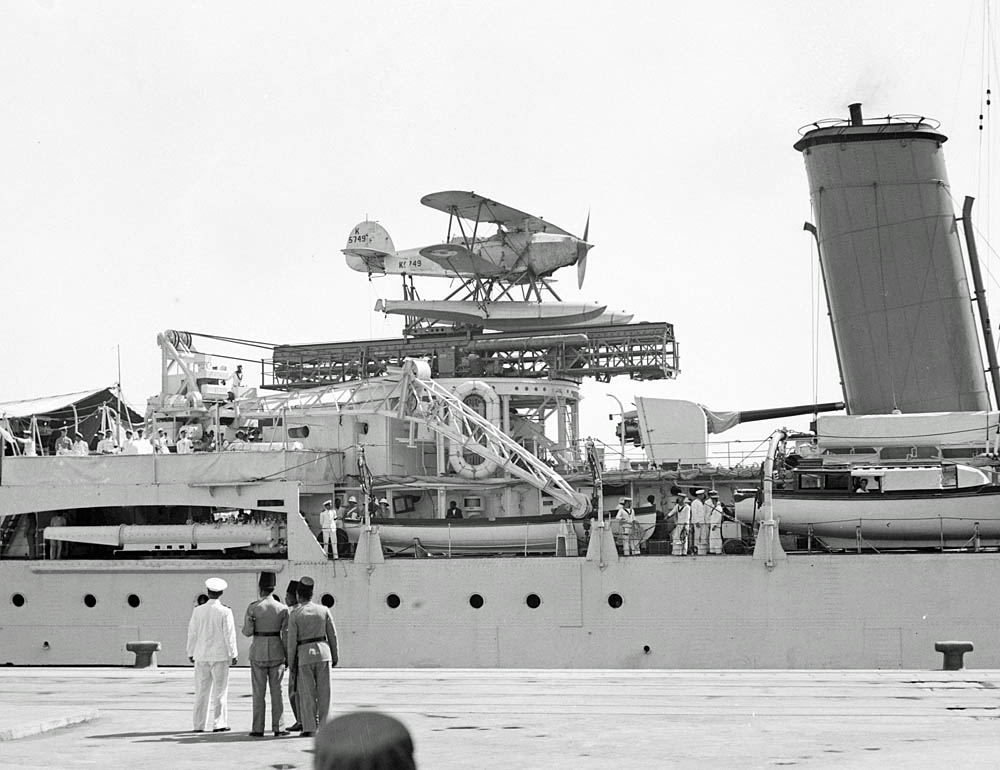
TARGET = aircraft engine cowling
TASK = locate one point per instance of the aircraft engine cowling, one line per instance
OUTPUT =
(550, 251)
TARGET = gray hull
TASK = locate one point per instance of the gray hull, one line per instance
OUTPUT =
(812, 612)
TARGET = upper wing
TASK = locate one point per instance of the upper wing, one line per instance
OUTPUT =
(468, 205)
(458, 259)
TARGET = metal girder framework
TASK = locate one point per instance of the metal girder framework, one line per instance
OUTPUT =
(642, 351)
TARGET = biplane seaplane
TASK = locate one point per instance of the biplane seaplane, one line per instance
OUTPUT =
(517, 260)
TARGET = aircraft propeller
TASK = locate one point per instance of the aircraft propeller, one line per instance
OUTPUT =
(581, 254)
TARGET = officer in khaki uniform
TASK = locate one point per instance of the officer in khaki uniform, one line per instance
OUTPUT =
(266, 621)
(312, 650)
(292, 602)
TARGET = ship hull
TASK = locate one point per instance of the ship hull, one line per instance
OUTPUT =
(809, 611)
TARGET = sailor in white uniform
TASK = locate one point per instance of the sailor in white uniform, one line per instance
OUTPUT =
(700, 522)
(211, 646)
(107, 446)
(80, 447)
(626, 528)
(681, 535)
(185, 445)
(28, 442)
(715, 511)
(328, 523)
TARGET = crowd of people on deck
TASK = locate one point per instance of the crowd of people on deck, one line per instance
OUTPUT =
(692, 526)
(135, 441)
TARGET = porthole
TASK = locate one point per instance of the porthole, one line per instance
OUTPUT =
(202, 598)
(392, 601)
(615, 601)
(328, 600)
(17, 600)
(476, 601)
(134, 600)
(90, 600)
(534, 601)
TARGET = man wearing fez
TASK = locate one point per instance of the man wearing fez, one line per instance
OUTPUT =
(211, 646)
(292, 601)
(312, 650)
(266, 621)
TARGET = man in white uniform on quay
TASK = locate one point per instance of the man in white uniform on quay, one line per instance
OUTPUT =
(211, 646)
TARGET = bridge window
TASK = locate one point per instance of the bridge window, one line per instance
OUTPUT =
(392, 600)
(476, 601)
(896, 453)
(90, 600)
(615, 601)
(328, 600)
(837, 481)
(17, 600)
(962, 452)
(534, 601)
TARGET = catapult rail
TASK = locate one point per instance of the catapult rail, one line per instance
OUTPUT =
(642, 351)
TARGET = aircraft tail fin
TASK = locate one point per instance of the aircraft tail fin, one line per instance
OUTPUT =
(367, 247)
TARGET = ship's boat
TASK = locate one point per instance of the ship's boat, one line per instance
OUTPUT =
(864, 506)
(508, 535)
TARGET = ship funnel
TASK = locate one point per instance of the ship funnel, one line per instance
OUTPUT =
(899, 300)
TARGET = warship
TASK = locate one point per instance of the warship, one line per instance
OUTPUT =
(477, 407)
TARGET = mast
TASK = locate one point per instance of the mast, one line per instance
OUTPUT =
(977, 282)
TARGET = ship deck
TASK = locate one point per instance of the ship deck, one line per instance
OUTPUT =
(114, 717)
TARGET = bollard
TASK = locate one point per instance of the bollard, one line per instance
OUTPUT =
(145, 653)
(953, 654)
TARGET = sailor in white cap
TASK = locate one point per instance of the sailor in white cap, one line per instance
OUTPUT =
(681, 535)
(626, 527)
(211, 646)
(700, 521)
(328, 524)
(28, 442)
(714, 515)
(383, 508)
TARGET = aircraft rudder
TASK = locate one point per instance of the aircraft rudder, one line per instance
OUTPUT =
(367, 247)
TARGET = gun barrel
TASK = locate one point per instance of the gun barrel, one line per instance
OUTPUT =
(754, 415)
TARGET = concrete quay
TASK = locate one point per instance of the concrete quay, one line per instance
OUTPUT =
(114, 717)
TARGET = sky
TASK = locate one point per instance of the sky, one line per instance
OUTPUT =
(199, 165)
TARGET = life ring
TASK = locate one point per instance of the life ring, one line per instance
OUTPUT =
(482, 399)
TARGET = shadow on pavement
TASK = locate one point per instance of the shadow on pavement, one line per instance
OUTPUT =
(188, 737)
